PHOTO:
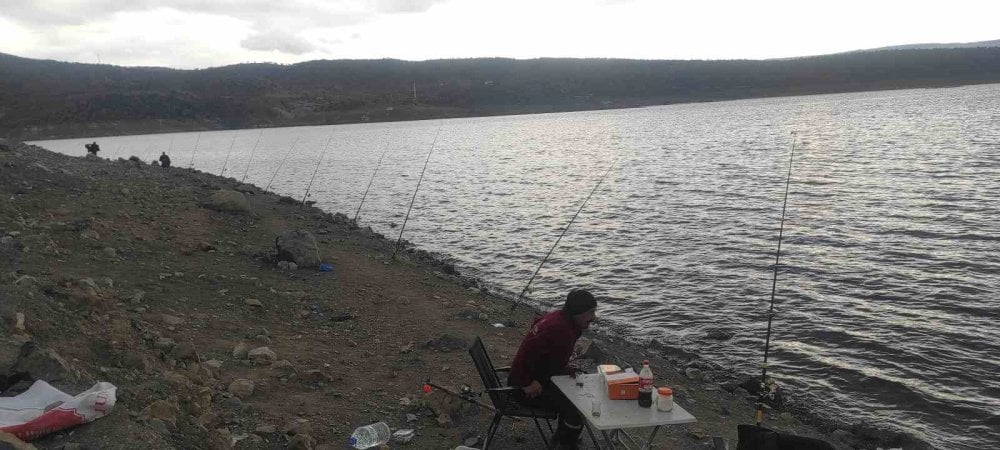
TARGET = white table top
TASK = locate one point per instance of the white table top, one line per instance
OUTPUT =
(616, 414)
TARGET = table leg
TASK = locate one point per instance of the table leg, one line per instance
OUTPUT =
(622, 434)
(593, 438)
(617, 438)
(649, 441)
(607, 438)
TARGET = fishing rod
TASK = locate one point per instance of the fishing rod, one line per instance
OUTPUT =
(774, 286)
(546, 258)
(281, 164)
(226, 162)
(316, 170)
(377, 165)
(400, 239)
(254, 149)
(195, 151)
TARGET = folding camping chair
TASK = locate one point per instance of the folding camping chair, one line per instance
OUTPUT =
(502, 396)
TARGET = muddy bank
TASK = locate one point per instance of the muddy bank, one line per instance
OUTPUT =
(168, 283)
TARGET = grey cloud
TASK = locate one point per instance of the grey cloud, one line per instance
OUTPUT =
(277, 41)
(405, 6)
(305, 12)
(183, 53)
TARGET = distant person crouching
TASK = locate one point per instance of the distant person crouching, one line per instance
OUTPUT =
(92, 148)
(164, 160)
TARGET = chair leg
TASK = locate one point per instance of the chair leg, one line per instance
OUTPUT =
(492, 430)
(549, 424)
(542, 433)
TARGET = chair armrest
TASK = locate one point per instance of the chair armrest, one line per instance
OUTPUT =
(502, 369)
(504, 390)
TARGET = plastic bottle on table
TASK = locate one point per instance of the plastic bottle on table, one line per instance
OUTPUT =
(370, 436)
(645, 385)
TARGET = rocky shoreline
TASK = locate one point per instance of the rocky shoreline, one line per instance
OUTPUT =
(168, 283)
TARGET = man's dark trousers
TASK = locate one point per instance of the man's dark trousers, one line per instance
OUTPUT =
(570, 421)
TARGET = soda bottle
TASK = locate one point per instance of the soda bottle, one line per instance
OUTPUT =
(645, 385)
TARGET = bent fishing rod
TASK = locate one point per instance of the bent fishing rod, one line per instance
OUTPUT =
(400, 239)
(321, 156)
(230, 152)
(252, 151)
(377, 165)
(546, 258)
(774, 286)
(290, 149)
(197, 139)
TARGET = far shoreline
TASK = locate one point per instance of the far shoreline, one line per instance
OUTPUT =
(168, 126)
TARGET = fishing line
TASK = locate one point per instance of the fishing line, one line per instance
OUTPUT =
(377, 165)
(774, 286)
(281, 164)
(400, 239)
(321, 156)
(226, 162)
(546, 258)
(254, 149)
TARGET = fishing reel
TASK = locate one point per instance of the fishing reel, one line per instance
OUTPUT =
(465, 392)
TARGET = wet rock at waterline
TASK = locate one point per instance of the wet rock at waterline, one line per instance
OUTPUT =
(228, 201)
(298, 246)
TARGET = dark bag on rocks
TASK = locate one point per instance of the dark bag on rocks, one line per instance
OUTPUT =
(760, 438)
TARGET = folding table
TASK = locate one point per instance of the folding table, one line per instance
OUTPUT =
(617, 415)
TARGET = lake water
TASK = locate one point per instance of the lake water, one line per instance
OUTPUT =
(887, 302)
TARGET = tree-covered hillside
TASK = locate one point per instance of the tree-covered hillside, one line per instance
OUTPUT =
(41, 99)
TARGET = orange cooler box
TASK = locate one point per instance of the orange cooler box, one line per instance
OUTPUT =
(622, 385)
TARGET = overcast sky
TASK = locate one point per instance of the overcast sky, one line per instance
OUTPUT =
(205, 33)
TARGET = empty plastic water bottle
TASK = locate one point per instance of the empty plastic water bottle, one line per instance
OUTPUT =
(370, 435)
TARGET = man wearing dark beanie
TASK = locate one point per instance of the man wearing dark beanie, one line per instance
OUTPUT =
(545, 352)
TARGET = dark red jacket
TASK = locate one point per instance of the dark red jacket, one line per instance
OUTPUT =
(545, 350)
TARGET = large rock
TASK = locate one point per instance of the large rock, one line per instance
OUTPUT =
(220, 439)
(9, 349)
(214, 367)
(262, 356)
(298, 246)
(229, 201)
(185, 351)
(241, 351)
(36, 363)
(301, 442)
(165, 410)
(9, 246)
(241, 388)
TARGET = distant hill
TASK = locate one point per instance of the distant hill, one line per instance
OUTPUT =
(995, 43)
(46, 99)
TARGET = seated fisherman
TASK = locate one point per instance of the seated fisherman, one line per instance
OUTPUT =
(92, 148)
(164, 160)
(545, 352)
